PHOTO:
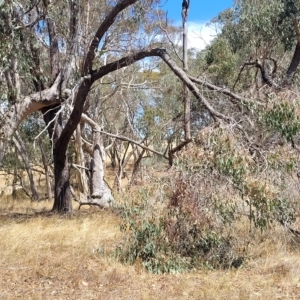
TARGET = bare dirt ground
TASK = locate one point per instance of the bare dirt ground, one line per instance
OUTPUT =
(46, 256)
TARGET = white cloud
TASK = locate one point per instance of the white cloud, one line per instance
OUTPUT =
(200, 35)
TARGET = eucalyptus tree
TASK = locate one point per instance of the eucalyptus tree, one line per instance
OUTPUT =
(51, 58)
(259, 34)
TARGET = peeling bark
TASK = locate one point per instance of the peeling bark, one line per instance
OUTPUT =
(100, 192)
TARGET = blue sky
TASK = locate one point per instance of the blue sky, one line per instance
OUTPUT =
(201, 12)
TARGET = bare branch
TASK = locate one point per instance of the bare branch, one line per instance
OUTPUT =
(192, 87)
(215, 88)
(125, 139)
(124, 62)
(265, 77)
(29, 104)
(177, 149)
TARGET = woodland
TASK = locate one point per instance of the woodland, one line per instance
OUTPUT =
(108, 119)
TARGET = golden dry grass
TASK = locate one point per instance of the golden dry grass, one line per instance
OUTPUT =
(46, 256)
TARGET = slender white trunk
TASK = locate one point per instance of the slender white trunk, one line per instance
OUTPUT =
(80, 160)
(186, 93)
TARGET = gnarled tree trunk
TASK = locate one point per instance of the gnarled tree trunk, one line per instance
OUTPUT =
(62, 191)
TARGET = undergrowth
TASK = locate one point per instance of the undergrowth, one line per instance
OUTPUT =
(188, 219)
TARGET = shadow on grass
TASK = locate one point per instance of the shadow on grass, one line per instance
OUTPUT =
(31, 213)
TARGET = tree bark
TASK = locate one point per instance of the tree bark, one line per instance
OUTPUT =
(296, 57)
(62, 192)
(29, 104)
(100, 192)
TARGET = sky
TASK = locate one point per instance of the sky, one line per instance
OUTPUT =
(200, 13)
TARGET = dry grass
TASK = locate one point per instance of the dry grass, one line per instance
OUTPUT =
(46, 256)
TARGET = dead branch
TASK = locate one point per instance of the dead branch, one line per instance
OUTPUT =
(264, 75)
(192, 87)
(215, 88)
(177, 149)
(125, 139)
(241, 70)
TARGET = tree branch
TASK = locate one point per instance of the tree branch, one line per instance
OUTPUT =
(125, 139)
(29, 104)
(192, 87)
(217, 89)
(124, 62)
(105, 25)
(87, 81)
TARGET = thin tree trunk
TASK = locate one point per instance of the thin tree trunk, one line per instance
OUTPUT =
(100, 192)
(137, 167)
(186, 93)
(23, 152)
(14, 183)
(113, 158)
(80, 160)
(46, 168)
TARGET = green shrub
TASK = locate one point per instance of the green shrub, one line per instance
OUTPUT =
(188, 219)
(177, 235)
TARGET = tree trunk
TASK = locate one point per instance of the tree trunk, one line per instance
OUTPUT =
(14, 182)
(294, 63)
(23, 152)
(187, 98)
(136, 167)
(101, 194)
(62, 191)
(46, 168)
(80, 160)
(113, 158)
